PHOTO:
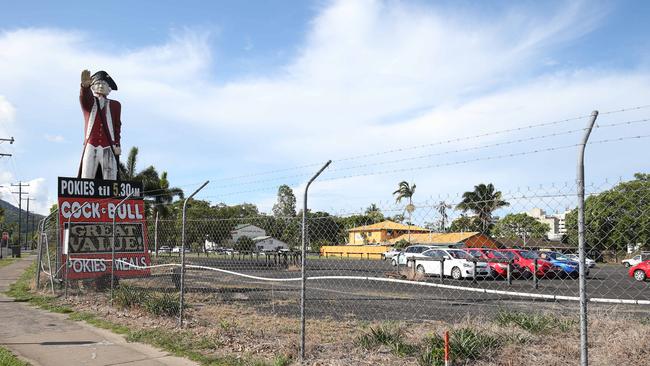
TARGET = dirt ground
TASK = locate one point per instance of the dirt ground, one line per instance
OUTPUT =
(242, 332)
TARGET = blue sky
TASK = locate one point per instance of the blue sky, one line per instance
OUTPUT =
(228, 89)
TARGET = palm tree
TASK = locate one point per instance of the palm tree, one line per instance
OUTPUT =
(405, 190)
(157, 193)
(442, 208)
(482, 201)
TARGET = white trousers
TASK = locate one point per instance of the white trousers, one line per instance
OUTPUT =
(103, 157)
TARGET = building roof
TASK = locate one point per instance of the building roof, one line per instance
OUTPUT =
(388, 225)
(436, 238)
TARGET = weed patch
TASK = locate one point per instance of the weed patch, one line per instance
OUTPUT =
(465, 344)
(390, 336)
(534, 323)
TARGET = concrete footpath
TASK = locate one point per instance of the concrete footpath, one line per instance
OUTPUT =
(43, 338)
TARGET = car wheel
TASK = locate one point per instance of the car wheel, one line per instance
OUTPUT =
(627, 265)
(456, 273)
(639, 275)
(394, 262)
(420, 269)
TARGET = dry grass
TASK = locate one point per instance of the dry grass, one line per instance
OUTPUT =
(240, 331)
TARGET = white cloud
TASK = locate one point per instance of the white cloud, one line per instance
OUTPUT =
(370, 76)
(54, 138)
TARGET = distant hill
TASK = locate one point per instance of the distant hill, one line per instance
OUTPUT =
(11, 214)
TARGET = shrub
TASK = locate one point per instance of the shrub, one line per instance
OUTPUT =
(127, 296)
(163, 305)
(390, 336)
(465, 344)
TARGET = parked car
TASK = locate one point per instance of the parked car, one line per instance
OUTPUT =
(569, 267)
(497, 261)
(526, 260)
(164, 249)
(392, 252)
(635, 260)
(589, 262)
(641, 271)
(177, 249)
(458, 264)
(410, 252)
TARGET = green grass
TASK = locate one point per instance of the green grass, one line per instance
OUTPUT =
(387, 335)
(8, 359)
(178, 342)
(535, 323)
(7, 261)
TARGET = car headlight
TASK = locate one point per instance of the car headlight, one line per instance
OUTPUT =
(467, 265)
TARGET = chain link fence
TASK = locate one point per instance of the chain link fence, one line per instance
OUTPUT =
(498, 270)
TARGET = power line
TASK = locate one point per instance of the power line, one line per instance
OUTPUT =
(474, 148)
(442, 142)
(459, 162)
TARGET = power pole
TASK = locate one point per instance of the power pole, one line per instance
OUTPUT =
(11, 141)
(27, 222)
(20, 193)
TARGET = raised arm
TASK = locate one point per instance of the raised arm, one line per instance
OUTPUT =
(86, 95)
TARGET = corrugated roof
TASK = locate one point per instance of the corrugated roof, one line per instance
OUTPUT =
(388, 225)
(436, 238)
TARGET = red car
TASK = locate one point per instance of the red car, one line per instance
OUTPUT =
(526, 260)
(497, 261)
(641, 271)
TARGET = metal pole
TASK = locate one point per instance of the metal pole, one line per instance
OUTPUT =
(113, 245)
(39, 255)
(67, 252)
(155, 236)
(584, 345)
(182, 287)
(304, 263)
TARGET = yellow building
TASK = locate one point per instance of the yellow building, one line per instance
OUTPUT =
(381, 232)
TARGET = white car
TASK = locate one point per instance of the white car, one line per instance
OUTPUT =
(177, 249)
(458, 264)
(632, 261)
(589, 262)
(391, 253)
(164, 249)
(411, 251)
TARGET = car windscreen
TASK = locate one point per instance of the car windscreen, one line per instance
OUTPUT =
(528, 254)
(495, 254)
(459, 254)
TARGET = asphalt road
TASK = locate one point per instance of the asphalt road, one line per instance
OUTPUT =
(377, 300)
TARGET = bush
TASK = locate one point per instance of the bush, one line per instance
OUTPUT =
(163, 305)
(127, 296)
(390, 336)
(465, 344)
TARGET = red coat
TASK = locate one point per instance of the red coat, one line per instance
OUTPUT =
(97, 135)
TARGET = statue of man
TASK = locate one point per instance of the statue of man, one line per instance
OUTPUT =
(99, 159)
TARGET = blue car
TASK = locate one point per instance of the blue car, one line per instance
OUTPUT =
(569, 267)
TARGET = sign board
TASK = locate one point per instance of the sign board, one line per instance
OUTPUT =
(86, 211)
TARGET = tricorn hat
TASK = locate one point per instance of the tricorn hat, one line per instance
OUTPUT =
(103, 75)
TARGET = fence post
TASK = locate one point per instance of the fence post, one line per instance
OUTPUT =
(584, 354)
(304, 263)
(474, 280)
(113, 245)
(535, 280)
(442, 269)
(182, 286)
(155, 236)
(39, 255)
(509, 272)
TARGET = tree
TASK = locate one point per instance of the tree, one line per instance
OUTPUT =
(465, 224)
(442, 208)
(244, 244)
(520, 226)
(405, 190)
(286, 205)
(616, 217)
(157, 192)
(482, 201)
(374, 214)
